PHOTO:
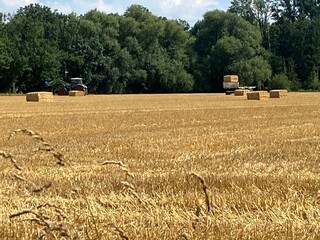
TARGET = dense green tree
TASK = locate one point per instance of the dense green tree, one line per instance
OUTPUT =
(227, 44)
(70, 45)
(163, 51)
(243, 8)
(294, 41)
(280, 81)
(34, 31)
(5, 59)
(139, 52)
(258, 13)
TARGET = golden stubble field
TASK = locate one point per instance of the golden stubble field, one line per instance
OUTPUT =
(190, 166)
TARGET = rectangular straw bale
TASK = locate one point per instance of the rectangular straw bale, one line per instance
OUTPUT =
(75, 93)
(39, 97)
(231, 78)
(241, 92)
(258, 95)
(278, 93)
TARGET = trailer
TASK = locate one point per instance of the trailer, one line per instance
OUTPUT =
(231, 83)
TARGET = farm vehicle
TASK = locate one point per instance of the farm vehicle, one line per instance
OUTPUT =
(75, 84)
(231, 83)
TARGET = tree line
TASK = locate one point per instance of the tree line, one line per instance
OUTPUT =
(269, 44)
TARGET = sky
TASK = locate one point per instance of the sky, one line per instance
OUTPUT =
(188, 10)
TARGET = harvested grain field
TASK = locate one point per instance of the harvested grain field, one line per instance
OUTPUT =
(189, 166)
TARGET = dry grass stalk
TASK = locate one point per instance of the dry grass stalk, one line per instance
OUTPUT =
(27, 132)
(119, 231)
(128, 173)
(36, 190)
(57, 209)
(119, 163)
(41, 220)
(205, 189)
(134, 193)
(59, 157)
(48, 226)
(95, 227)
(145, 205)
(40, 189)
(128, 185)
(45, 145)
(19, 177)
(104, 204)
(12, 160)
(183, 236)
(199, 214)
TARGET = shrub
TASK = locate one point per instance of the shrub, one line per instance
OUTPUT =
(280, 81)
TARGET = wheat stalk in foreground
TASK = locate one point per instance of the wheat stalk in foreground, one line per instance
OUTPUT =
(119, 231)
(204, 188)
(48, 226)
(12, 160)
(27, 132)
(42, 188)
(121, 165)
(45, 145)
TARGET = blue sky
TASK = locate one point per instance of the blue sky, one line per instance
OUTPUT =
(189, 10)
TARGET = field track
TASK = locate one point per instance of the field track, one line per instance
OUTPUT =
(171, 166)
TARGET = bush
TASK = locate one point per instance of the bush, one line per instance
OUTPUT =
(280, 81)
(314, 82)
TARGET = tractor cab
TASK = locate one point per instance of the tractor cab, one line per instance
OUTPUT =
(76, 81)
(77, 84)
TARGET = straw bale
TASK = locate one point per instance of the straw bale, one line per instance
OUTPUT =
(278, 93)
(39, 97)
(241, 92)
(258, 95)
(74, 93)
(231, 78)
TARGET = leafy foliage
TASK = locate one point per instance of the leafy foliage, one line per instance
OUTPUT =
(5, 58)
(280, 81)
(139, 52)
(291, 37)
(227, 44)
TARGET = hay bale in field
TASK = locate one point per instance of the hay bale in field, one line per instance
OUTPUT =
(258, 95)
(231, 78)
(241, 92)
(39, 97)
(75, 93)
(278, 93)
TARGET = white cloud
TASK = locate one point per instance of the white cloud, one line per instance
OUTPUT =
(61, 7)
(83, 6)
(89, 5)
(189, 10)
(16, 3)
(102, 6)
